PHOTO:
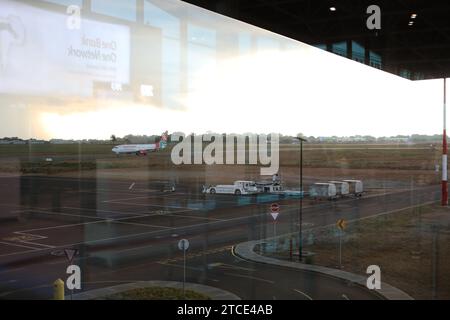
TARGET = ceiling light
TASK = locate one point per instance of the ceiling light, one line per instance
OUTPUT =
(410, 23)
(332, 8)
(414, 15)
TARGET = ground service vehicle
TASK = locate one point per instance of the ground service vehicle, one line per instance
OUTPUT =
(342, 188)
(355, 187)
(238, 188)
(322, 190)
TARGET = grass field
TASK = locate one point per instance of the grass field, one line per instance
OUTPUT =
(411, 247)
(30, 159)
(54, 150)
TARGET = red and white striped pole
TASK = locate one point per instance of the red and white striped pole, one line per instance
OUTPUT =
(444, 200)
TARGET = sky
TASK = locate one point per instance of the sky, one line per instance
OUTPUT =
(239, 79)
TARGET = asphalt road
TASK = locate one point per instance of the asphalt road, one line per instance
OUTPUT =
(129, 232)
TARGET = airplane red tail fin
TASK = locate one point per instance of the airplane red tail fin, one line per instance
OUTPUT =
(163, 141)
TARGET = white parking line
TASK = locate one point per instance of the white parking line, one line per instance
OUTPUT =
(303, 294)
(101, 210)
(192, 217)
(37, 244)
(151, 205)
(59, 213)
(18, 245)
(142, 224)
(83, 223)
(143, 197)
(125, 199)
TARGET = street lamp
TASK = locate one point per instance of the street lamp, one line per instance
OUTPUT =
(300, 214)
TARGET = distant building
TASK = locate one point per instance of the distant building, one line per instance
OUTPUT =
(35, 141)
(12, 141)
(62, 141)
(398, 139)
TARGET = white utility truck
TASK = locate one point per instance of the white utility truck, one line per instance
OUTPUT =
(238, 188)
(322, 191)
(342, 188)
(356, 187)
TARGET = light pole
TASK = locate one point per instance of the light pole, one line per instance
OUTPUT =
(300, 213)
(444, 197)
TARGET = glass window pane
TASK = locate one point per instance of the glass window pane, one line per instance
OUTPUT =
(67, 2)
(123, 9)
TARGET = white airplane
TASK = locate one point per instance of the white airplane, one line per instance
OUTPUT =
(141, 149)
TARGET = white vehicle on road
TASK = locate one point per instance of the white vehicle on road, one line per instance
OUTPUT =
(238, 188)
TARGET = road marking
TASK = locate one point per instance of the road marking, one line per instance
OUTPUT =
(63, 226)
(150, 205)
(193, 217)
(228, 266)
(105, 211)
(141, 224)
(142, 197)
(34, 237)
(249, 277)
(211, 223)
(18, 245)
(99, 220)
(125, 199)
(31, 211)
(37, 244)
(136, 214)
(303, 294)
(345, 296)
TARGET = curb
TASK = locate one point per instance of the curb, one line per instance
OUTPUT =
(246, 251)
(212, 292)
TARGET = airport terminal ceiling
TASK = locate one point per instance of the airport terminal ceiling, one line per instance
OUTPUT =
(413, 42)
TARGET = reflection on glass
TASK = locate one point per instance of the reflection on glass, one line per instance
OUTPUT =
(73, 92)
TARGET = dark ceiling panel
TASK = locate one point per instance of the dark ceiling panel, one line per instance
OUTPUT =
(418, 51)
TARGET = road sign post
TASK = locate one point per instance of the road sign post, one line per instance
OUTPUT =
(183, 245)
(274, 208)
(275, 235)
(340, 249)
(341, 224)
